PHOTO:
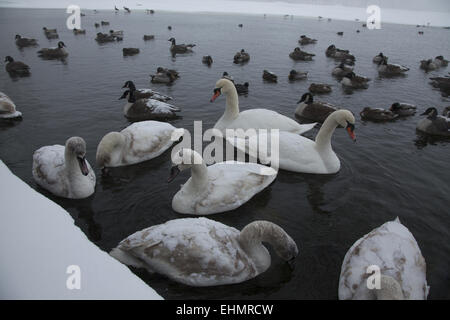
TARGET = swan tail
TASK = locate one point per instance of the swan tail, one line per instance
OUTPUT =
(306, 127)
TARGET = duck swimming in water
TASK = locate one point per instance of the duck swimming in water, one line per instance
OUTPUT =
(297, 75)
(180, 48)
(434, 124)
(298, 54)
(403, 109)
(313, 110)
(54, 53)
(241, 57)
(16, 68)
(377, 114)
(25, 42)
(388, 69)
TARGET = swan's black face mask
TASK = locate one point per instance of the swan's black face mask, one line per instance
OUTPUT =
(217, 93)
(350, 129)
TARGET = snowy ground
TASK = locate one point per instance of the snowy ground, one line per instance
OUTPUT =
(39, 242)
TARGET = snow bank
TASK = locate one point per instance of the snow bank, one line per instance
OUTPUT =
(39, 241)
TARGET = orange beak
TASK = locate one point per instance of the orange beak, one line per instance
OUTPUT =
(351, 133)
(215, 95)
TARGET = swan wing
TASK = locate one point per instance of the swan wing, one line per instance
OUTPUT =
(48, 169)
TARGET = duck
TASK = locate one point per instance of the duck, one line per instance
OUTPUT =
(148, 37)
(319, 88)
(164, 75)
(147, 108)
(302, 155)
(340, 33)
(241, 57)
(103, 37)
(137, 143)
(46, 30)
(379, 57)
(207, 60)
(392, 248)
(428, 65)
(340, 54)
(403, 109)
(97, 25)
(298, 54)
(16, 68)
(297, 75)
(242, 88)
(442, 83)
(377, 114)
(201, 252)
(180, 48)
(252, 118)
(221, 187)
(50, 33)
(351, 80)
(169, 27)
(116, 33)
(440, 61)
(25, 42)
(130, 51)
(341, 70)
(434, 124)
(8, 109)
(391, 69)
(269, 76)
(312, 110)
(54, 53)
(145, 93)
(78, 31)
(104, 23)
(304, 40)
(64, 170)
(240, 25)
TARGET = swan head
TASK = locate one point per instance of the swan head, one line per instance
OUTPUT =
(182, 160)
(223, 86)
(390, 289)
(76, 147)
(347, 120)
(109, 149)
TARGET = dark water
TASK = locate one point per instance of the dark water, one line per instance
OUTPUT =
(391, 170)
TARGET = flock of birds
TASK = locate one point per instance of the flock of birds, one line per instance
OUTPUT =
(203, 252)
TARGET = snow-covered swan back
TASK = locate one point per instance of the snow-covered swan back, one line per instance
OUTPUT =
(138, 142)
(393, 248)
(64, 171)
(254, 118)
(203, 252)
(218, 188)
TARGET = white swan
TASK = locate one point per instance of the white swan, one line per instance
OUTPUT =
(254, 118)
(64, 171)
(218, 188)
(394, 250)
(203, 252)
(138, 142)
(300, 154)
(8, 108)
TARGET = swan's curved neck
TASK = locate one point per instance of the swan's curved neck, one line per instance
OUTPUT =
(71, 164)
(232, 104)
(323, 138)
(199, 175)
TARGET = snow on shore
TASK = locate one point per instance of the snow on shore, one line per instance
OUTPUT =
(39, 241)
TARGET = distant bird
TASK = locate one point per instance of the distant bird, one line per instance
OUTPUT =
(434, 124)
(242, 88)
(297, 75)
(340, 33)
(104, 23)
(116, 33)
(126, 9)
(130, 51)
(207, 60)
(313, 110)
(103, 37)
(50, 33)
(319, 88)
(428, 65)
(379, 57)
(25, 42)
(304, 40)
(403, 109)
(16, 68)
(54, 53)
(269, 76)
(240, 25)
(391, 69)
(351, 80)
(116, 9)
(46, 30)
(97, 25)
(148, 37)
(341, 70)
(339, 54)
(298, 54)
(180, 48)
(420, 32)
(377, 114)
(169, 27)
(79, 31)
(164, 75)
(241, 57)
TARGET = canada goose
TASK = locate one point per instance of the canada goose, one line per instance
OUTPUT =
(377, 114)
(297, 75)
(103, 37)
(149, 37)
(16, 68)
(341, 70)
(164, 75)
(440, 61)
(339, 54)
(379, 57)
(225, 75)
(8, 108)
(241, 57)
(313, 110)
(304, 40)
(351, 80)
(50, 33)
(319, 88)
(242, 88)
(180, 48)
(298, 54)
(145, 93)
(207, 60)
(428, 65)
(147, 108)
(130, 51)
(116, 33)
(340, 33)
(25, 42)
(434, 124)
(79, 31)
(104, 23)
(269, 76)
(403, 109)
(385, 68)
(54, 53)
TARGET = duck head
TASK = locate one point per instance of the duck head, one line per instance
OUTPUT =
(76, 146)
(222, 86)
(395, 106)
(431, 113)
(306, 98)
